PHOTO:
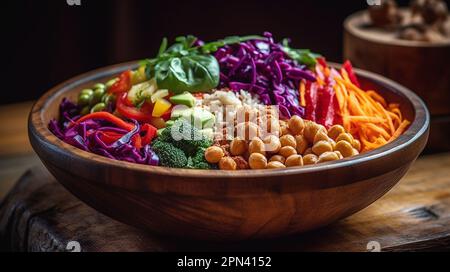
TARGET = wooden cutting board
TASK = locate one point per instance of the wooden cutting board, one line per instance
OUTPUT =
(40, 215)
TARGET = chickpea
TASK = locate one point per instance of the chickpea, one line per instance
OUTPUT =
(310, 159)
(256, 146)
(214, 154)
(339, 155)
(294, 160)
(247, 130)
(269, 125)
(284, 130)
(302, 143)
(328, 156)
(311, 130)
(355, 152)
(288, 140)
(238, 146)
(277, 158)
(308, 151)
(275, 164)
(335, 131)
(321, 136)
(227, 163)
(333, 143)
(345, 148)
(272, 144)
(296, 124)
(344, 137)
(356, 144)
(322, 147)
(257, 161)
(287, 151)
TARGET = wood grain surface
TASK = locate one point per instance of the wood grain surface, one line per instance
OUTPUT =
(414, 216)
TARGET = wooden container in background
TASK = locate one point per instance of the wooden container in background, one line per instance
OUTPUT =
(421, 66)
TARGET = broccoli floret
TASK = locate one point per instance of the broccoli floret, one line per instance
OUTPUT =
(198, 161)
(169, 155)
(186, 137)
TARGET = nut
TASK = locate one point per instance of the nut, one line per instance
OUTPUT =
(227, 163)
(257, 161)
(238, 146)
(294, 160)
(213, 154)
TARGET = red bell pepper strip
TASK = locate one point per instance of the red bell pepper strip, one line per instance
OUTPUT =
(150, 133)
(311, 98)
(103, 115)
(142, 114)
(123, 84)
(325, 112)
(351, 74)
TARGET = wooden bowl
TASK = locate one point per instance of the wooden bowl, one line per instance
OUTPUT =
(227, 205)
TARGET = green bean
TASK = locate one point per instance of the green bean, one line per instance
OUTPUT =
(98, 107)
(84, 99)
(85, 110)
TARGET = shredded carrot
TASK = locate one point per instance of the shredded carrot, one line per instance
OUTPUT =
(302, 89)
(367, 115)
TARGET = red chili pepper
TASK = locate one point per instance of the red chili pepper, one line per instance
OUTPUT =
(150, 133)
(351, 74)
(109, 137)
(103, 115)
(123, 84)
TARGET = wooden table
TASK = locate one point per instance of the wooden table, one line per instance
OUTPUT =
(40, 215)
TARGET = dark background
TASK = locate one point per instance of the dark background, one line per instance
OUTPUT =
(46, 42)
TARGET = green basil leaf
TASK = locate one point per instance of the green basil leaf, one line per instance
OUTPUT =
(302, 56)
(191, 73)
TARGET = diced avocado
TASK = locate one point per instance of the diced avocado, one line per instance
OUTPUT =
(169, 123)
(207, 119)
(185, 98)
(181, 112)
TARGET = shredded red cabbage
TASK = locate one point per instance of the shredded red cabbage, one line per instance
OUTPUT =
(263, 68)
(87, 136)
